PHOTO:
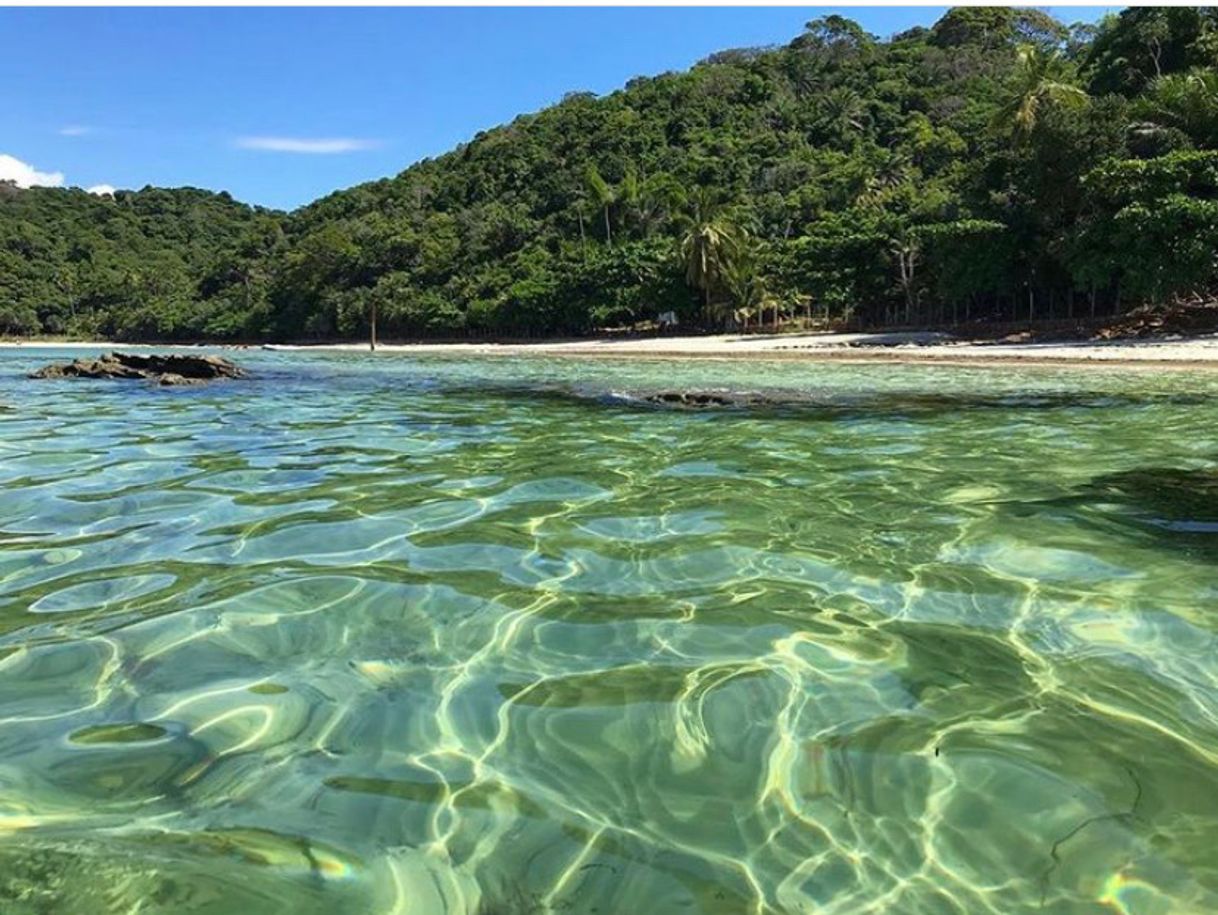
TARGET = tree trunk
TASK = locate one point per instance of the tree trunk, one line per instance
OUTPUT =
(608, 231)
(583, 241)
(1031, 304)
(905, 263)
(1093, 301)
(372, 329)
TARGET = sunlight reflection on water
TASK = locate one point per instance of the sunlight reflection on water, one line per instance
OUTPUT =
(385, 634)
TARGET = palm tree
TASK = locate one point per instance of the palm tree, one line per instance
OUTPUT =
(742, 314)
(841, 113)
(660, 196)
(710, 248)
(1185, 101)
(648, 202)
(749, 288)
(889, 176)
(1041, 80)
(749, 293)
(600, 191)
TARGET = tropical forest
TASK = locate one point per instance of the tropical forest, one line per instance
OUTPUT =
(999, 166)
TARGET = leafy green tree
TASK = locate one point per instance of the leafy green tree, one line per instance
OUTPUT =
(1152, 226)
(834, 39)
(994, 27)
(1144, 43)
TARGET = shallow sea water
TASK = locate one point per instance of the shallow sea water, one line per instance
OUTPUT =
(426, 636)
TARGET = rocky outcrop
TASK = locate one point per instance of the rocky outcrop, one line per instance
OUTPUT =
(164, 370)
(702, 400)
(694, 399)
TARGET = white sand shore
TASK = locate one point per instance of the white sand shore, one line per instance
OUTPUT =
(905, 348)
(923, 347)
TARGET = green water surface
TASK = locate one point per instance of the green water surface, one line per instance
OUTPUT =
(423, 636)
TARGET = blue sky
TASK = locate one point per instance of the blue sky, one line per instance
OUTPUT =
(280, 106)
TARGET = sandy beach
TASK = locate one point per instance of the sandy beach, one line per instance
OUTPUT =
(856, 347)
(904, 348)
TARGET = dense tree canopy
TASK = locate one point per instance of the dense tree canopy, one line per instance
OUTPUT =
(154, 263)
(999, 165)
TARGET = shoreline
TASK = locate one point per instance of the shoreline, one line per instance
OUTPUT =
(879, 348)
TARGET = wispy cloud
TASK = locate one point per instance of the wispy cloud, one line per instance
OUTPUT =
(25, 175)
(322, 146)
(102, 190)
(74, 130)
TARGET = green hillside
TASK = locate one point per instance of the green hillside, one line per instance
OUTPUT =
(156, 263)
(998, 166)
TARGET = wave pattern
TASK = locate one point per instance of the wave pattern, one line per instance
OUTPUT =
(419, 636)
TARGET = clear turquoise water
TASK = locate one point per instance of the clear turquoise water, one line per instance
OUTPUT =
(395, 635)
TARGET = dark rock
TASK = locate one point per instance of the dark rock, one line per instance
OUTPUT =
(699, 400)
(170, 379)
(1172, 498)
(166, 370)
(1174, 509)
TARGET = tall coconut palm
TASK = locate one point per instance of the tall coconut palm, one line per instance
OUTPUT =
(710, 247)
(1040, 81)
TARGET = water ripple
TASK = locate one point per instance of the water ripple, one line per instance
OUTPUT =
(396, 635)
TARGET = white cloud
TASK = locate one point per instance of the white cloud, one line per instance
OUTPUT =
(25, 175)
(102, 190)
(327, 146)
(74, 130)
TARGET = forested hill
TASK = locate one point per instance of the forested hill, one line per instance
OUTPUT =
(997, 166)
(138, 264)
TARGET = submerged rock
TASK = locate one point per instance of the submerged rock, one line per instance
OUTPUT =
(165, 370)
(699, 400)
(1170, 497)
(1173, 508)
